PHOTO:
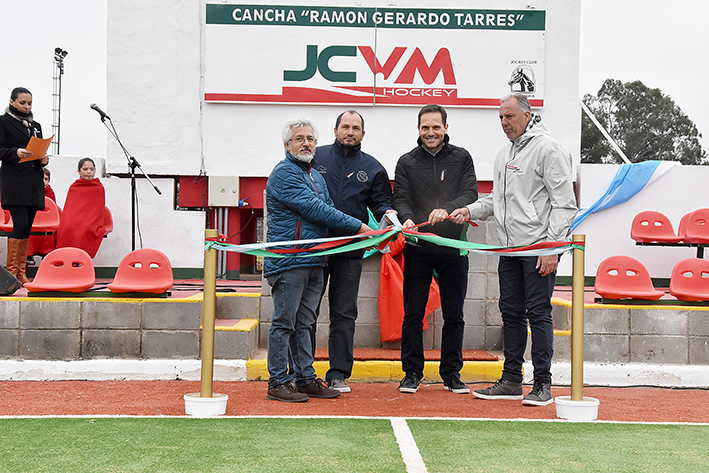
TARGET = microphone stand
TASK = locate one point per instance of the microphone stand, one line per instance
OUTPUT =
(132, 165)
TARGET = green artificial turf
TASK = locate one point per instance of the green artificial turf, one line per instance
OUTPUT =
(198, 445)
(489, 446)
(186, 444)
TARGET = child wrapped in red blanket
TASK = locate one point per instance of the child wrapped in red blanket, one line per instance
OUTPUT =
(43, 244)
(82, 222)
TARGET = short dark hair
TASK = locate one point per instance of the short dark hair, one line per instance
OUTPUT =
(339, 118)
(434, 108)
(17, 91)
(82, 161)
(47, 172)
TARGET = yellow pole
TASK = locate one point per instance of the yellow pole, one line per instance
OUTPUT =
(208, 314)
(577, 300)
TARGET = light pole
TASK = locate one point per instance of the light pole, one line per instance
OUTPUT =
(59, 55)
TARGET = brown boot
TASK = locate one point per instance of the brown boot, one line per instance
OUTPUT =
(13, 250)
(22, 261)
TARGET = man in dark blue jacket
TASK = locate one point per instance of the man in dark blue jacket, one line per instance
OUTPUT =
(356, 182)
(299, 208)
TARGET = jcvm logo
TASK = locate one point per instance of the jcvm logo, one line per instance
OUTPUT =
(320, 62)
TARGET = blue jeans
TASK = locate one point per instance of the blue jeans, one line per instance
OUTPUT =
(526, 296)
(343, 274)
(296, 293)
(452, 270)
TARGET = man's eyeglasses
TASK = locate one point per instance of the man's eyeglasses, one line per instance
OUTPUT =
(301, 139)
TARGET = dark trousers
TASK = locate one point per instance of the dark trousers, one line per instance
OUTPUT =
(525, 296)
(22, 219)
(452, 269)
(343, 275)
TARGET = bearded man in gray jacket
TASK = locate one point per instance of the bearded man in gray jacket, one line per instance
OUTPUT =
(533, 201)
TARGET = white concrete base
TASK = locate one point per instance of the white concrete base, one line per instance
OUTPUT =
(584, 410)
(205, 406)
(122, 370)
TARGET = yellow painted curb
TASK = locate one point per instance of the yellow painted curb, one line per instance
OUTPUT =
(243, 325)
(387, 371)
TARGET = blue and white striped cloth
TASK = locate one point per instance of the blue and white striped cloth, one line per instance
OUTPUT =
(628, 181)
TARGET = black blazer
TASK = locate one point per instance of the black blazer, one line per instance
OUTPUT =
(20, 183)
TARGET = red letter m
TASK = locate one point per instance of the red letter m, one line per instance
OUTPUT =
(442, 61)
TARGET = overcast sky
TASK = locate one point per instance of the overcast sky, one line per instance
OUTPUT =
(662, 44)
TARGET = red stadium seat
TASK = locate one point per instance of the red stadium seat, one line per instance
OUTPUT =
(682, 229)
(107, 220)
(143, 270)
(6, 224)
(698, 227)
(46, 221)
(650, 226)
(690, 280)
(64, 270)
(623, 277)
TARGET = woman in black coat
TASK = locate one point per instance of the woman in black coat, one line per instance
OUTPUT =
(21, 183)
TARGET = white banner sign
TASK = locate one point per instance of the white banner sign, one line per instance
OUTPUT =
(372, 56)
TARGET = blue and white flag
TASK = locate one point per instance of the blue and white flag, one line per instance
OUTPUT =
(628, 181)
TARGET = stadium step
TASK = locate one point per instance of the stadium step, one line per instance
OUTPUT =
(235, 339)
(236, 325)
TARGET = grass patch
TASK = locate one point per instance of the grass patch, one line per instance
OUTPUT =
(488, 446)
(198, 445)
(325, 445)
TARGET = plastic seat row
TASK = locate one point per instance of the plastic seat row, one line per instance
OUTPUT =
(48, 220)
(650, 226)
(72, 270)
(623, 277)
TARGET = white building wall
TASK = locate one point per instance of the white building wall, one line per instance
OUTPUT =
(681, 190)
(176, 233)
(154, 91)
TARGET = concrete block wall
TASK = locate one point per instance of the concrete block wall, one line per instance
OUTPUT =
(483, 324)
(86, 329)
(612, 335)
(658, 335)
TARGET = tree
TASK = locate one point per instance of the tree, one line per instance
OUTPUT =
(646, 124)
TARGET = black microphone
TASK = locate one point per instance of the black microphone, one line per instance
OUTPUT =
(100, 112)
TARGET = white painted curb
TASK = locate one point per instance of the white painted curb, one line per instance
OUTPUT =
(122, 370)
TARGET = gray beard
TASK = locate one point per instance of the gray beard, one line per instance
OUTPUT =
(304, 158)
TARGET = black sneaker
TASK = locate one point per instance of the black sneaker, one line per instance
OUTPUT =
(540, 395)
(455, 385)
(286, 393)
(317, 388)
(502, 389)
(410, 383)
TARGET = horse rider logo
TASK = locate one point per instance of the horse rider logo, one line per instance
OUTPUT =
(362, 176)
(522, 79)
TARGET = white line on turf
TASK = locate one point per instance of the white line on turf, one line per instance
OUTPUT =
(225, 417)
(409, 450)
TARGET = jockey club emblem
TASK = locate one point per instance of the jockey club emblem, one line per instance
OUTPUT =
(522, 79)
(321, 169)
(362, 176)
